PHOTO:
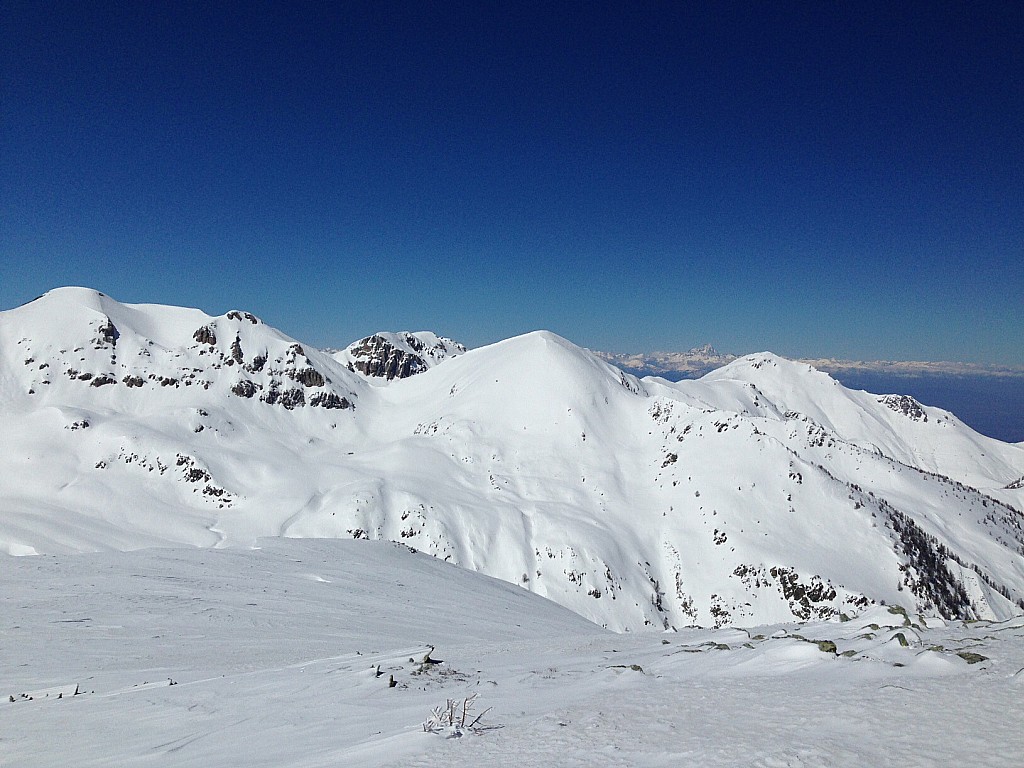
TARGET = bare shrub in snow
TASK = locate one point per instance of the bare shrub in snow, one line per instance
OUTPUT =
(456, 718)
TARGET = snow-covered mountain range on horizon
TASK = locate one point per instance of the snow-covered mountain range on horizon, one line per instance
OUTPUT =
(762, 492)
(698, 361)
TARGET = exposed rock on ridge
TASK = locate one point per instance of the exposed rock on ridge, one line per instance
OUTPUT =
(391, 356)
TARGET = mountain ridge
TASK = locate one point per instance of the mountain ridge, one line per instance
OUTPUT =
(761, 492)
(698, 361)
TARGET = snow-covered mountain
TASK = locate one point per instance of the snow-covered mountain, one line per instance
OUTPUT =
(763, 492)
(698, 361)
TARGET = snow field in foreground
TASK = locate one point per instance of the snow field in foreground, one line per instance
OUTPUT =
(283, 656)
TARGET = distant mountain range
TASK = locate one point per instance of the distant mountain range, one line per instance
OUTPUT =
(764, 491)
(695, 362)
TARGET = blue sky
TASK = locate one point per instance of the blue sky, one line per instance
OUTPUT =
(846, 181)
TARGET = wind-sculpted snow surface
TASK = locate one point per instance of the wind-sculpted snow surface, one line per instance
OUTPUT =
(764, 492)
(334, 653)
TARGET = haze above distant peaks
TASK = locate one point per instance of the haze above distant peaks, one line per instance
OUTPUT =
(701, 359)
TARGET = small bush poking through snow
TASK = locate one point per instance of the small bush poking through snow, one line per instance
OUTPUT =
(456, 718)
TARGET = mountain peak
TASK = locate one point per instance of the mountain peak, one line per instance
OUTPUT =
(555, 363)
(72, 294)
(59, 302)
(768, 363)
(705, 350)
(386, 355)
(77, 345)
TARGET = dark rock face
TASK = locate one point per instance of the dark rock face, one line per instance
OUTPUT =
(244, 388)
(107, 334)
(808, 598)
(308, 377)
(329, 400)
(257, 364)
(377, 356)
(236, 315)
(265, 371)
(289, 398)
(205, 335)
(193, 472)
(272, 376)
(801, 595)
(906, 405)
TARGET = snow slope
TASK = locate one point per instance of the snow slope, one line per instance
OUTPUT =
(764, 492)
(915, 434)
(285, 655)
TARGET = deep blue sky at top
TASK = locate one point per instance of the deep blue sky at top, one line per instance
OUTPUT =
(845, 180)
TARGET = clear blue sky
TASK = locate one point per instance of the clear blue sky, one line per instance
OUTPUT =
(843, 181)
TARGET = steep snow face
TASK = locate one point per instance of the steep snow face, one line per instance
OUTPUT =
(386, 356)
(896, 425)
(763, 492)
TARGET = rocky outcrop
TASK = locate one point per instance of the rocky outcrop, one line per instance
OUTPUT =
(236, 315)
(399, 355)
(244, 388)
(205, 335)
(906, 405)
(308, 377)
(329, 400)
(106, 335)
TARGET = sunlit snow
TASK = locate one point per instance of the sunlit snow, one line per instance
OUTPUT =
(284, 656)
(207, 502)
